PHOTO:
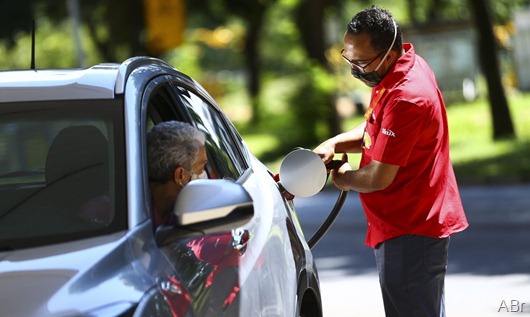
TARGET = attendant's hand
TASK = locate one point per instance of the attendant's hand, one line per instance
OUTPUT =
(326, 150)
(340, 175)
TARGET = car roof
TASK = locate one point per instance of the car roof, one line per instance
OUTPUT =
(96, 82)
(102, 81)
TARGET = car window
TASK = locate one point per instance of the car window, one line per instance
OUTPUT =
(224, 153)
(224, 146)
(61, 171)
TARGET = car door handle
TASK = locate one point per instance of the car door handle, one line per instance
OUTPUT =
(240, 238)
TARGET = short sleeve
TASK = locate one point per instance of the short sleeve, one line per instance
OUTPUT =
(401, 127)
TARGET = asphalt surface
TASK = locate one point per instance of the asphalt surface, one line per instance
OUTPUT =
(489, 263)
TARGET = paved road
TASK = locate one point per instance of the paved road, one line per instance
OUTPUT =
(489, 263)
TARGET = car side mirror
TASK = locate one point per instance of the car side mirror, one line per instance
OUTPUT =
(208, 206)
(207, 200)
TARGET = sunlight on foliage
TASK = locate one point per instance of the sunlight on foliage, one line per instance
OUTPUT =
(54, 48)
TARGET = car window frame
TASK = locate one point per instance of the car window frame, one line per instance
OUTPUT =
(230, 135)
(179, 111)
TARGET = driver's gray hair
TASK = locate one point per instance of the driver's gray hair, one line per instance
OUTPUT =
(172, 144)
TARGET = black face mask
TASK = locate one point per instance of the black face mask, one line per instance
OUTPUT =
(370, 79)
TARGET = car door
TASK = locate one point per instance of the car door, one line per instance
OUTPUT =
(249, 270)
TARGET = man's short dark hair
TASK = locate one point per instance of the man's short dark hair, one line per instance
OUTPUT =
(378, 23)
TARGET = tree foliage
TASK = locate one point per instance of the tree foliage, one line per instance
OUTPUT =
(114, 26)
(489, 60)
(16, 16)
(253, 14)
(278, 38)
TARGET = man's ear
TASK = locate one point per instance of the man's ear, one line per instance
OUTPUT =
(179, 175)
(391, 57)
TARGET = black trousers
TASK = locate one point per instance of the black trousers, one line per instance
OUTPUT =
(412, 274)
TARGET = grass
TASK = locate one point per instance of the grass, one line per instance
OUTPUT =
(477, 159)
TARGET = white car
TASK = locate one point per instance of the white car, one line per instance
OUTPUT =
(76, 235)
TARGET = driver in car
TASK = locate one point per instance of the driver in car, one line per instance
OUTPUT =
(176, 155)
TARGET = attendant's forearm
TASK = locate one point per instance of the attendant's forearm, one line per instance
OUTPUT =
(350, 141)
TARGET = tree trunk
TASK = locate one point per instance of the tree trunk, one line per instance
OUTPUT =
(253, 61)
(411, 9)
(489, 62)
(310, 21)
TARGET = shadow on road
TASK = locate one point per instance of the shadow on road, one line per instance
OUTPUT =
(496, 243)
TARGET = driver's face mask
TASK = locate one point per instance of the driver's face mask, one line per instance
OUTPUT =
(202, 175)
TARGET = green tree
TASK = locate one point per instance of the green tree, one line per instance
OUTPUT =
(489, 61)
(16, 16)
(114, 26)
(253, 14)
(310, 19)
(483, 16)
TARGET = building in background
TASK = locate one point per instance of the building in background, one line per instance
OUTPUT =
(450, 50)
(521, 49)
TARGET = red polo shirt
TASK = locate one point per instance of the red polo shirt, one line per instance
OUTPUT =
(408, 127)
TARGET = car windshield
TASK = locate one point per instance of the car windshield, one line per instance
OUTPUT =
(62, 171)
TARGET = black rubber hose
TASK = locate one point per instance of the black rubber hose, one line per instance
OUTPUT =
(329, 220)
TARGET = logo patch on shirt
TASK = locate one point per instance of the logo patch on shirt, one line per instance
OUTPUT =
(367, 141)
(389, 132)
